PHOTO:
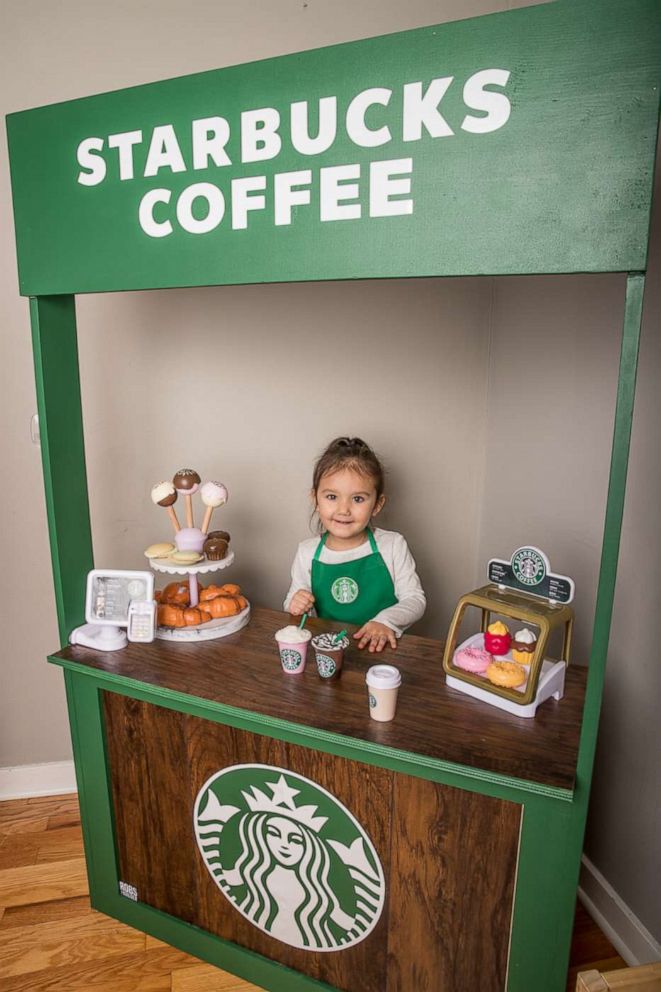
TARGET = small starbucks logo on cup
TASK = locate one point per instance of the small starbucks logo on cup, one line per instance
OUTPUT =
(325, 665)
(289, 857)
(372, 700)
(291, 660)
(344, 590)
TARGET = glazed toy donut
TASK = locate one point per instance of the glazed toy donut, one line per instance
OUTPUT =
(507, 674)
(473, 660)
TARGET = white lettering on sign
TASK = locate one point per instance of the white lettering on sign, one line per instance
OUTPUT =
(94, 165)
(422, 109)
(243, 201)
(300, 133)
(334, 188)
(210, 135)
(383, 187)
(125, 142)
(164, 151)
(215, 208)
(357, 129)
(259, 134)
(496, 105)
(289, 193)
(148, 223)
(370, 120)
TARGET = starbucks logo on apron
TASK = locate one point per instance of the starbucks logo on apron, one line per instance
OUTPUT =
(289, 857)
(344, 590)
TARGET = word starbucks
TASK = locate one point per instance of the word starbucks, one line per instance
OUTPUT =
(368, 122)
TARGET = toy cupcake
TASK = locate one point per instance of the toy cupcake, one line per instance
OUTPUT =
(497, 638)
(523, 646)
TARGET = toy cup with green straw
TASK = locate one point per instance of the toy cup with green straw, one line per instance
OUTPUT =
(329, 651)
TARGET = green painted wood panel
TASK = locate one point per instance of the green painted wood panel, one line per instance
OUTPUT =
(55, 349)
(544, 164)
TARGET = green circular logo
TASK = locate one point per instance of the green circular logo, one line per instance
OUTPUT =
(289, 857)
(528, 566)
(344, 590)
(291, 660)
(326, 666)
(372, 700)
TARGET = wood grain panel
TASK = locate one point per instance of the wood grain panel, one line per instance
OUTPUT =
(148, 754)
(242, 670)
(159, 864)
(449, 855)
(453, 869)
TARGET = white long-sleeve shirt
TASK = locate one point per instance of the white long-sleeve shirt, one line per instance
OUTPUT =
(399, 561)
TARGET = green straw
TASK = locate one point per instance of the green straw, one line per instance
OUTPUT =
(337, 637)
(302, 623)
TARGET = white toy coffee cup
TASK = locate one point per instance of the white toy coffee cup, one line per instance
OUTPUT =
(383, 682)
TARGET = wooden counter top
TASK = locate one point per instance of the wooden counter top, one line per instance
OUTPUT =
(432, 720)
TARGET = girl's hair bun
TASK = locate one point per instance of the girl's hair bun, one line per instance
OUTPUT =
(349, 452)
(349, 442)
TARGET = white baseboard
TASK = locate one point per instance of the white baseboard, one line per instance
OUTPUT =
(25, 781)
(629, 937)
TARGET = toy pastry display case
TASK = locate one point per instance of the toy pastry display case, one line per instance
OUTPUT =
(523, 614)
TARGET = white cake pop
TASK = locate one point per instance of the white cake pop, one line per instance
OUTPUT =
(165, 494)
(213, 494)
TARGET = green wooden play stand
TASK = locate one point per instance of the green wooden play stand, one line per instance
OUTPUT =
(516, 143)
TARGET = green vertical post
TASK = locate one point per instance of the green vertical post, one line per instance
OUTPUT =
(552, 838)
(626, 388)
(55, 349)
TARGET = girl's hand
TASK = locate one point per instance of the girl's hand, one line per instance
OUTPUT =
(377, 635)
(301, 602)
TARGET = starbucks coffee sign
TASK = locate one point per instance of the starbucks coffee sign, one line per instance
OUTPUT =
(529, 570)
(448, 149)
(289, 856)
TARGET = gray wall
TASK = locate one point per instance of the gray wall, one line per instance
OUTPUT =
(437, 374)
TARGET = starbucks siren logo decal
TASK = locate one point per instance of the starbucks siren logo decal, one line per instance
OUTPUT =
(528, 566)
(344, 590)
(289, 856)
(325, 665)
(291, 660)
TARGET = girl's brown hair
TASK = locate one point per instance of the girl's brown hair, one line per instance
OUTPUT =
(353, 453)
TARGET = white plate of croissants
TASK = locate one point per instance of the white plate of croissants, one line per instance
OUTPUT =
(221, 610)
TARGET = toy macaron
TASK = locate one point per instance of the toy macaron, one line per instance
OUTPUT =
(497, 638)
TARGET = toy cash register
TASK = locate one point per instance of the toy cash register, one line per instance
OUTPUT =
(522, 609)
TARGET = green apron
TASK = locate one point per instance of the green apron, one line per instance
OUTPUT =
(354, 591)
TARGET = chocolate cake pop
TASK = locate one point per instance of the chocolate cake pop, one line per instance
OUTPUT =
(165, 494)
(187, 482)
(213, 494)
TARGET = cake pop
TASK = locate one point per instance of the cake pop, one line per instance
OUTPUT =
(187, 482)
(213, 494)
(165, 494)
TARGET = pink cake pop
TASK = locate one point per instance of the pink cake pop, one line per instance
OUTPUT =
(213, 494)
(187, 482)
(164, 494)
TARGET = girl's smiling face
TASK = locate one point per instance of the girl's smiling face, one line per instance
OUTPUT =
(346, 501)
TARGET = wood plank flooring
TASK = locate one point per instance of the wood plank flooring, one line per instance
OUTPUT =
(52, 941)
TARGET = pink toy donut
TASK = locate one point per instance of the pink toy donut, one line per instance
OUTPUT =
(473, 660)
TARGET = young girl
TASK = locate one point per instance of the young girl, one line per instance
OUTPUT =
(355, 573)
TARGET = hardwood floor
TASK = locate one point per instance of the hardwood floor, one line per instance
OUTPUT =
(52, 941)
